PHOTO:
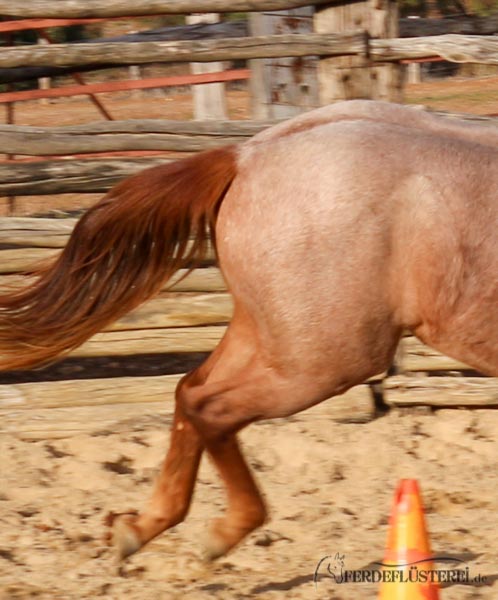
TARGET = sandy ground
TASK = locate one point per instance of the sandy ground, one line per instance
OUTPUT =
(328, 485)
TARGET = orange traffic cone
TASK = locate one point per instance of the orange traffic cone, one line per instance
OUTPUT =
(407, 569)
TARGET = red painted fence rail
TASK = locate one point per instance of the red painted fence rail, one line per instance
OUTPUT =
(119, 86)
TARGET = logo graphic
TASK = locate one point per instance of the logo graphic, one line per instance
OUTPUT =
(333, 567)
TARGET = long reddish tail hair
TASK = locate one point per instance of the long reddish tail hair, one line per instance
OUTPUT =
(120, 253)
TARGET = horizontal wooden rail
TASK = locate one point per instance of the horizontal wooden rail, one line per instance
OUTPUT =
(63, 176)
(199, 129)
(47, 141)
(451, 47)
(59, 423)
(126, 85)
(124, 53)
(205, 280)
(197, 31)
(16, 260)
(178, 310)
(88, 392)
(29, 232)
(152, 341)
(442, 392)
(90, 155)
(68, 9)
(416, 356)
(455, 48)
(21, 236)
(23, 260)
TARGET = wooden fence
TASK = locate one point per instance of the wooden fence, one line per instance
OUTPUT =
(228, 29)
(452, 47)
(191, 316)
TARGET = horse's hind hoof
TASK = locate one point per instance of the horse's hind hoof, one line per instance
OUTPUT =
(214, 543)
(213, 548)
(124, 535)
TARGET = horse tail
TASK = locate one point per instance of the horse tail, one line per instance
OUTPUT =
(121, 252)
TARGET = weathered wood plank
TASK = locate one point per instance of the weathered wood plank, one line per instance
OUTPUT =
(178, 310)
(88, 392)
(25, 259)
(451, 47)
(201, 129)
(208, 279)
(34, 232)
(59, 423)
(122, 53)
(64, 176)
(22, 260)
(114, 136)
(177, 32)
(69, 9)
(410, 390)
(194, 129)
(39, 145)
(35, 224)
(152, 341)
(171, 309)
(416, 356)
(27, 232)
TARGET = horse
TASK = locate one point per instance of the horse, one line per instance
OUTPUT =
(335, 232)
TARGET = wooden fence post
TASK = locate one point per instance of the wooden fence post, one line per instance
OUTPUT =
(349, 77)
(44, 83)
(283, 87)
(209, 98)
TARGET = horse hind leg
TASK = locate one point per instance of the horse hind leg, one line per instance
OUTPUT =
(173, 490)
(172, 493)
(220, 408)
(246, 508)
(235, 387)
(217, 411)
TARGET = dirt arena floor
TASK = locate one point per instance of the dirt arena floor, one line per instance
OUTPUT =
(328, 485)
